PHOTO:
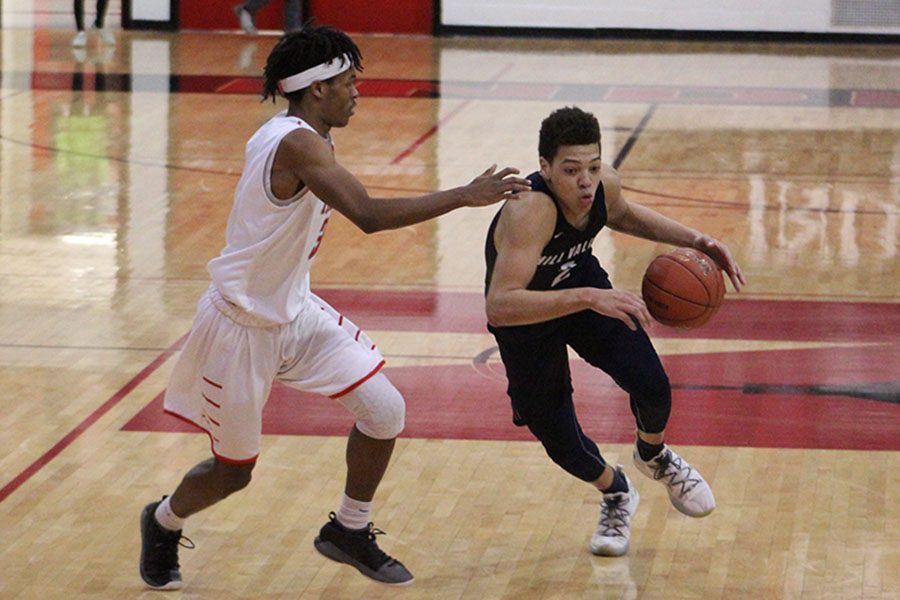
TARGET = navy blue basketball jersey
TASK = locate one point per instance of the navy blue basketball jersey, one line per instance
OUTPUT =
(566, 261)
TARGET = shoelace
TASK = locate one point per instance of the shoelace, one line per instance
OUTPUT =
(372, 554)
(169, 551)
(613, 516)
(670, 468)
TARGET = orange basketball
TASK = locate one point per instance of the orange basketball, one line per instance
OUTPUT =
(683, 288)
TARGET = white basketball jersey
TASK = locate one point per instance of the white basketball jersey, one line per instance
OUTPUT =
(269, 243)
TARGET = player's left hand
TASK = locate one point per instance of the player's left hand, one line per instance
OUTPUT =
(720, 253)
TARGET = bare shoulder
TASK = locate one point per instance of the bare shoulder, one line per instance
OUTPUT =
(531, 217)
(531, 206)
(303, 142)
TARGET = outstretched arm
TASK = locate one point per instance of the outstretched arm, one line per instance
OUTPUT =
(641, 221)
(313, 162)
(522, 232)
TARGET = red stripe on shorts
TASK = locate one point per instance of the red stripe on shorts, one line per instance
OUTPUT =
(358, 383)
(224, 459)
(213, 383)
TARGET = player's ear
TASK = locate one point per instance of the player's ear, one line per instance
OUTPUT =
(317, 89)
(545, 168)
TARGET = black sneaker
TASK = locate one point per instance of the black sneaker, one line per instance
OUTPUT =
(159, 552)
(357, 548)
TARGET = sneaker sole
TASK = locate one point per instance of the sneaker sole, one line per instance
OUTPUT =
(609, 553)
(167, 587)
(329, 550)
(693, 515)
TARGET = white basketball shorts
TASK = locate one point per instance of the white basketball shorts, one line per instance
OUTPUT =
(224, 374)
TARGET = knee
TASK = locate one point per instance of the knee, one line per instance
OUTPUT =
(575, 460)
(655, 389)
(569, 448)
(662, 386)
(387, 419)
(662, 389)
(233, 478)
(379, 408)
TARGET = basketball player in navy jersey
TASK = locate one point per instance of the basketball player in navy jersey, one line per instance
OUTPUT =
(546, 291)
(259, 320)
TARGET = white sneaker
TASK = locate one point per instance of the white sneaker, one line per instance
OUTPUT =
(688, 491)
(614, 529)
(107, 37)
(80, 40)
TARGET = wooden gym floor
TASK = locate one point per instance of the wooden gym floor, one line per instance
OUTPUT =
(117, 167)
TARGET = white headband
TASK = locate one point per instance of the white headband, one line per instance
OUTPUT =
(321, 72)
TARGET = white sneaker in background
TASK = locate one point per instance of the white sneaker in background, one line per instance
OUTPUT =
(688, 491)
(80, 40)
(107, 37)
(613, 532)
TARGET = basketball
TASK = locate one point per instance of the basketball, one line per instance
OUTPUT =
(683, 288)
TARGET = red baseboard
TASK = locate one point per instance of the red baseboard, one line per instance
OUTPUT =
(354, 16)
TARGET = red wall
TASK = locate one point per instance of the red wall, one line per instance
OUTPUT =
(354, 16)
(392, 16)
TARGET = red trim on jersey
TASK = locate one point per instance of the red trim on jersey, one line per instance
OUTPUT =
(358, 331)
(224, 459)
(358, 383)
(213, 383)
(210, 401)
(340, 318)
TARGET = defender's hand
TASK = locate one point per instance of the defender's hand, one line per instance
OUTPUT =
(493, 186)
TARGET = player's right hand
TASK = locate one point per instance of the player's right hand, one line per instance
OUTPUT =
(493, 186)
(622, 305)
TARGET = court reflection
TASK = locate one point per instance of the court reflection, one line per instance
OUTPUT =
(790, 158)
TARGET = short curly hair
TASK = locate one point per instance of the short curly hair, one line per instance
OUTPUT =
(569, 126)
(303, 49)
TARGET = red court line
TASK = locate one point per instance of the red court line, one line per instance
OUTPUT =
(425, 136)
(92, 418)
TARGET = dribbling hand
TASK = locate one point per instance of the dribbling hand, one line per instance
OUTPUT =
(720, 253)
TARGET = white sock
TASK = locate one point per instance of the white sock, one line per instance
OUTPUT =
(168, 519)
(354, 514)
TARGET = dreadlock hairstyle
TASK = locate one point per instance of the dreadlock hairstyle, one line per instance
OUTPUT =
(300, 50)
(569, 126)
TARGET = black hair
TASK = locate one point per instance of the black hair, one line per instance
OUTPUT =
(569, 126)
(303, 49)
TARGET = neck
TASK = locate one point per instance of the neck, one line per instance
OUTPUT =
(315, 121)
(577, 220)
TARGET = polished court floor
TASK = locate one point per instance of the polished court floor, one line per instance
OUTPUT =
(117, 168)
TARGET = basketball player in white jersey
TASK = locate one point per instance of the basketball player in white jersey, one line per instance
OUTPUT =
(259, 321)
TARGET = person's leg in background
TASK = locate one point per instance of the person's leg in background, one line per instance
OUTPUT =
(246, 14)
(293, 15)
(105, 35)
(80, 38)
